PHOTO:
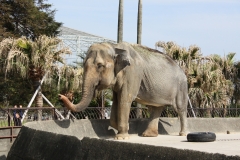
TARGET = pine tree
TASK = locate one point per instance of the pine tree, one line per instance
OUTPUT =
(29, 18)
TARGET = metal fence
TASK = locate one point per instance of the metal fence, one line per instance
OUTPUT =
(214, 112)
(7, 118)
(48, 113)
(104, 113)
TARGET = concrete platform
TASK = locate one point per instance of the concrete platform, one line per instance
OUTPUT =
(227, 144)
(91, 139)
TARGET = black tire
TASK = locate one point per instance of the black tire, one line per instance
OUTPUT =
(201, 137)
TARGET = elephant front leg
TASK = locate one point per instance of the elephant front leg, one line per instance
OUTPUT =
(114, 112)
(152, 129)
(123, 117)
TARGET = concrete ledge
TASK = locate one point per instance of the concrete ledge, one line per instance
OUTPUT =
(38, 145)
(99, 128)
(68, 140)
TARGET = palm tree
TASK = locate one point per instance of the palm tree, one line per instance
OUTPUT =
(139, 41)
(237, 84)
(209, 78)
(34, 60)
(120, 22)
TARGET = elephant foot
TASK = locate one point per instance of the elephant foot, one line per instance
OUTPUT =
(182, 133)
(150, 133)
(122, 137)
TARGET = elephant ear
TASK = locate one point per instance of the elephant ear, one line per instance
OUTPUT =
(122, 58)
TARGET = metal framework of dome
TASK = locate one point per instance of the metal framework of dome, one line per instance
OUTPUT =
(79, 42)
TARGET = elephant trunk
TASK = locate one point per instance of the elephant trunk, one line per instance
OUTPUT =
(89, 85)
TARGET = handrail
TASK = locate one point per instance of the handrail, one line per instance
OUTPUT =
(11, 132)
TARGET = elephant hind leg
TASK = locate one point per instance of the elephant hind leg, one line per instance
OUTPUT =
(181, 106)
(152, 129)
(183, 121)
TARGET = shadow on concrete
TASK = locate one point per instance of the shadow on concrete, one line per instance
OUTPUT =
(3, 157)
(100, 127)
(165, 122)
(63, 123)
(97, 128)
(161, 129)
(136, 126)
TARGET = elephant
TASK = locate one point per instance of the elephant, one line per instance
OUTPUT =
(135, 73)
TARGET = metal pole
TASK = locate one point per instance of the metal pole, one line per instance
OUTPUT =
(31, 101)
(191, 107)
(103, 107)
(57, 111)
(9, 118)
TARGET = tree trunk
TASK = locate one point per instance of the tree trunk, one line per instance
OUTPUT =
(238, 101)
(139, 33)
(208, 113)
(120, 22)
(139, 23)
(225, 111)
(38, 99)
(139, 111)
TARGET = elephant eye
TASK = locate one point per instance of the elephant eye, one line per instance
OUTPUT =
(100, 65)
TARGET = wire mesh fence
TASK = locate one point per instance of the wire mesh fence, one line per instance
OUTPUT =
(214, 112)
(7, 117)
(48, 113)
(104, 113)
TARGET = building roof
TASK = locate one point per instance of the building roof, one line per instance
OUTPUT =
(69, 31)
(79, 42)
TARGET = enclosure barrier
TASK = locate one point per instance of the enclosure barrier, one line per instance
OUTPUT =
(48, 113)
(135, 112)
(9, 131)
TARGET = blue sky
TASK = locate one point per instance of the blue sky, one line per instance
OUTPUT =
(213, 25)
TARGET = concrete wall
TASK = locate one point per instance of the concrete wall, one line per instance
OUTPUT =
(38, 145)
(99, 128)
(5, 144)
(65, 139)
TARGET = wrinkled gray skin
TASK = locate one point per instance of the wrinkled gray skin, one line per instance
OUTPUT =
(135, 73)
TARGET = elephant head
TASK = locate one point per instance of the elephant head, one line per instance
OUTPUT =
(101, 65)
